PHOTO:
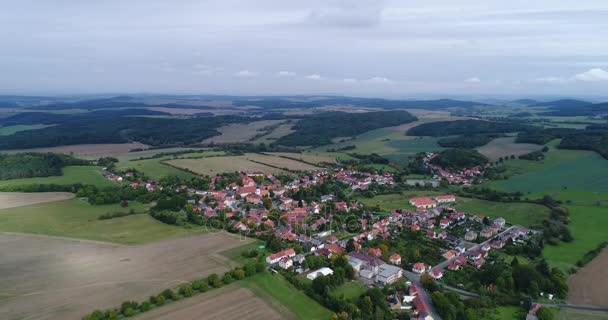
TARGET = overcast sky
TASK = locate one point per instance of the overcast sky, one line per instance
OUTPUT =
(366, 48)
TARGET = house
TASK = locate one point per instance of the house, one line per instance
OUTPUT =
(321, 272)
(395, 259)
(436, 274)
(274, 258)
(285, 263)
(444, 223)
(470, 236)
(254, 198)
(424, 203)
(500, 222)
(445, 198)
(448, 255)
(389, 274)
(419, 267)
(299, 258)
(244, 191)
(486, 233)
(374, 252)
(415, 228)
(453, 267)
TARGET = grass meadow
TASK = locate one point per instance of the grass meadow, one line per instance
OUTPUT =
(76, 218)
(274, 288)
(71, 175)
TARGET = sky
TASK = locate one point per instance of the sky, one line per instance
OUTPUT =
(377, 48)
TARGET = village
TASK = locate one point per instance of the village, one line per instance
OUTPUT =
(259, 205)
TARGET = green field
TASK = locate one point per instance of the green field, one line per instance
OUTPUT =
(568, 314)
(10, 130)
(71, 175)
(588, 227)
(350, 290)
(156, 169)
(507, 313)
(77, 219)
(561, 170)
(525, 214)
(274, 288)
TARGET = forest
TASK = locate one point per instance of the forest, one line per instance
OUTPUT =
(459, 158)
(594, 138)
(468, 141)
(448, 128)
(112, 126)
(30, 165)
(319, 129)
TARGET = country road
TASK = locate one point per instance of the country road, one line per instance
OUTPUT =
(415, 278)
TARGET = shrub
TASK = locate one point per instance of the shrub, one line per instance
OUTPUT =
(186, 290)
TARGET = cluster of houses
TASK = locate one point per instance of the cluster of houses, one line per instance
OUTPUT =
(130, 177)
(465, 177)
(362, 180)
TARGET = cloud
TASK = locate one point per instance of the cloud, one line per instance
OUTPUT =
(592, 75)
(206, 70)
(167, 67)
(245, 74)
(314, 77)
(286, 74)
(552, 79)
(379, 80)
(350, 80)
(349, 14)
(472, 80)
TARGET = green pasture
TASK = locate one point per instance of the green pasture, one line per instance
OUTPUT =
(75, 218)
(71, 175)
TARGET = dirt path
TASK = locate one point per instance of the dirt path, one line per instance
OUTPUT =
(18, 199)
(588, 285)
(53, 278)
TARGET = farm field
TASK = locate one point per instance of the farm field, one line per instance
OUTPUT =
(273, 287)
(587, 225)
(313, 157)
(75, 218)
(525, 214)
(240, 132)
(280, 162)
(247, 162)
(281, 131)
(7, 131)
(230, 303)
(216, 165)
(561, 170)
(151, 152)
(588, 286)
(505, 147)
(507, 313)
(101, 275)
(154, 169)
(18, 199)
(71, 175)
(88, 151)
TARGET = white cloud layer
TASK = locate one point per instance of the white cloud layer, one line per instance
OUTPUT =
(427, 48)
(595, 74)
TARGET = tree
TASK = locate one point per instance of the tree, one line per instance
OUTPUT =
(239, 274)
(544, 314)
(267, 203)
(186, 290)
(366, 306)
(428, 282)
(214, 280)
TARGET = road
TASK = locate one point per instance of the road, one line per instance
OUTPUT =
(415, 279)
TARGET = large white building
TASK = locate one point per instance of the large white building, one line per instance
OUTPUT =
(321, 272)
